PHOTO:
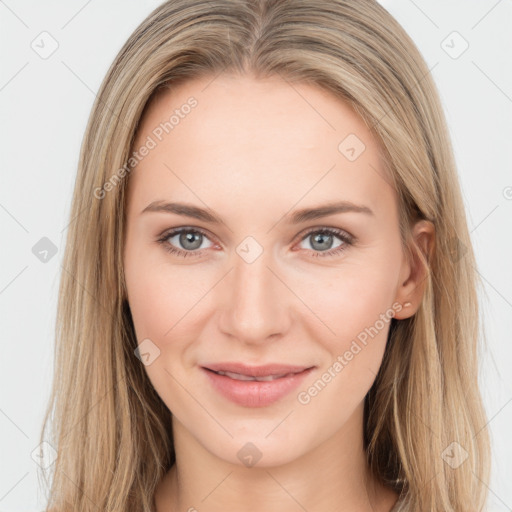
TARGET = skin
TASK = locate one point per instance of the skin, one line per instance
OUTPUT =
(253, 152)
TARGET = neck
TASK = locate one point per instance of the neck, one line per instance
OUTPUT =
(332, 476)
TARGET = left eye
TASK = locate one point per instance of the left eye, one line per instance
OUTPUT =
(322, 240)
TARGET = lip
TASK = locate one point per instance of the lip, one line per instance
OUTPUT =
(254, 393)
(255, 371)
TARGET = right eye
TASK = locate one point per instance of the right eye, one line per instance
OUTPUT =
(190, 239)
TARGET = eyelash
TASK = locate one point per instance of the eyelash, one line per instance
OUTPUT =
(347, 240)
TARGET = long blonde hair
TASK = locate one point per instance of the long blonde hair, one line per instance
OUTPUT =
(112, 432)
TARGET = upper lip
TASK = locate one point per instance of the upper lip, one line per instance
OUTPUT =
(255, 371)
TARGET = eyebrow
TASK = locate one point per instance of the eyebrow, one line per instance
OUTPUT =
(297, 217)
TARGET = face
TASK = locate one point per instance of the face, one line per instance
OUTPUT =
(235, 275)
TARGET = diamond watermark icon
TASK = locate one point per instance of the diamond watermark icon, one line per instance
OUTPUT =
(454, 455)
(147, 352)
(249, 249)
(351, 147)
(44, 250)
(249, 455)
(44, 455)
(454, 45)
(456, 249)
(45, 45)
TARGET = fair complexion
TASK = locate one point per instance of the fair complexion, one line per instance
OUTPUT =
(252, 153)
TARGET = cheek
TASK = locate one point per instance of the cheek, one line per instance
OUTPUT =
(163, 313)
(355, 306)
(151, 304)
(349, 300)
(162, 299)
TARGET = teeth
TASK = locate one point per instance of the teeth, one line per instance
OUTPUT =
(238, 376)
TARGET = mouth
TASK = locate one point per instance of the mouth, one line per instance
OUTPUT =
(241, 371)
(255, 386)
(265, 378)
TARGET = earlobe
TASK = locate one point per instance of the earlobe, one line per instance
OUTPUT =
(415, 269)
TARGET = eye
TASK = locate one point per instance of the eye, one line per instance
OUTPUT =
(322, 241)
(191, 239)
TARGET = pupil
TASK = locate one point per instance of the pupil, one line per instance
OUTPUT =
(190, 238)
(321, 237)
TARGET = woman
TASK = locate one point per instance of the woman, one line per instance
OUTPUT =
(314, 348)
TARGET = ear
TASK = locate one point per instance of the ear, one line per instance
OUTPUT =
(415, 268)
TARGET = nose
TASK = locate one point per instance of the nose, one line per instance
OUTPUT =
(255, 302)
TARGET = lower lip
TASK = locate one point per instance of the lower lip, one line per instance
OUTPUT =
(251, 393)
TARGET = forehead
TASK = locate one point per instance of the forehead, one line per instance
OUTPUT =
(234, 136)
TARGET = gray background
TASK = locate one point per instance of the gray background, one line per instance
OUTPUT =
(45, 103)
